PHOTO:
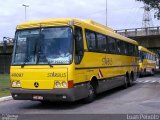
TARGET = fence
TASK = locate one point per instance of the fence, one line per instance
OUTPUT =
(139, 31)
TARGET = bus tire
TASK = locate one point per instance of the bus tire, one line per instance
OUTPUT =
(92, 94)
(125, 82)
(144, 73)
(153, 72)
(141, 75)
(131, 79)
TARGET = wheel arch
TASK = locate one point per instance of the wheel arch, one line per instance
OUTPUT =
(94, 81)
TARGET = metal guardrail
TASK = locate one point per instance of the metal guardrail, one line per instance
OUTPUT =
(8, 44)
(139, 31)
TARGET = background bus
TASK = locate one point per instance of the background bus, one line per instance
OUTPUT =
(147, 62)
(70, 59)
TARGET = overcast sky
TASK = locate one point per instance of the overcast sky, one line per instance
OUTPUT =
(121, 13)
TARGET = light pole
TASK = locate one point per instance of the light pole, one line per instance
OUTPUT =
(25, 6)
(106, 12)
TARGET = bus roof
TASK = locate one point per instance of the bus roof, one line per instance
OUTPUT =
(141, 48)
(73, 21)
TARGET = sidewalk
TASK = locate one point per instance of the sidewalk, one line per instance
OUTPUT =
(2, 99)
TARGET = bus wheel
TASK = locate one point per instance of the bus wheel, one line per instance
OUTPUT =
(140, 75)
(125, 82)
(131, 79)
(91, 95)
(152, 72)
(144, 73)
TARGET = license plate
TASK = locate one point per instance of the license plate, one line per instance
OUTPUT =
(37, 97)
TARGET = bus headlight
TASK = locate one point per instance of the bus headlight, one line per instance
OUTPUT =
(64, 84)
(58, 84)
(16, 84)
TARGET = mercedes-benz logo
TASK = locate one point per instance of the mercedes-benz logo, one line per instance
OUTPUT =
(36, 84)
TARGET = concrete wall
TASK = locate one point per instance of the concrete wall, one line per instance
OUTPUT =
(148, 41)
(5, 58)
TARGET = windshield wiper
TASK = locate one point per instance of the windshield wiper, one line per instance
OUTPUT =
(49, 63)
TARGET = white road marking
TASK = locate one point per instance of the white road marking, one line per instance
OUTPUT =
(146, 81)
(153, 81)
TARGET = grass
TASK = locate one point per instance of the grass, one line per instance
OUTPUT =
(4, 85)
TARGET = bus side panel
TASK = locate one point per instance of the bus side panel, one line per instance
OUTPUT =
(109, 69)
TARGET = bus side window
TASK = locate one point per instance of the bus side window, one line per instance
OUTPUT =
(79, 49)
(143, 56)
(136, 50)
(101, 42)
(112, 45)
(126, 49)
(91, 40)
(140, 55)
(120, 47)
(130, 49)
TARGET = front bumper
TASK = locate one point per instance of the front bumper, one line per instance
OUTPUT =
(56, 94)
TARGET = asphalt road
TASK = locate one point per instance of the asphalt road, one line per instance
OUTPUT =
(142, 98)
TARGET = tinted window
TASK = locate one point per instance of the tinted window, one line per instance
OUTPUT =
(111, 45)
(149, 55)
(145, 55)
(120, 47)
(135, 50)
(131, 49)
(126, 50)
(91, 40)
(79, 49)
(101, 42)
(154, 57)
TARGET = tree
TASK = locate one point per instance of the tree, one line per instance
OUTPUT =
(153, 4)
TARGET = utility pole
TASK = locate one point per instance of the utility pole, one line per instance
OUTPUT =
(25, 6)
(106, 12)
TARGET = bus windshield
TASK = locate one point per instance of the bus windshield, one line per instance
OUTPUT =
(43, 46)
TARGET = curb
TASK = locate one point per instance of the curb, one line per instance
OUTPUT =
(7, 98)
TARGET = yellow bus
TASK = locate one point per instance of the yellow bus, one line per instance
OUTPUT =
(147, 63)
(70, 59)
